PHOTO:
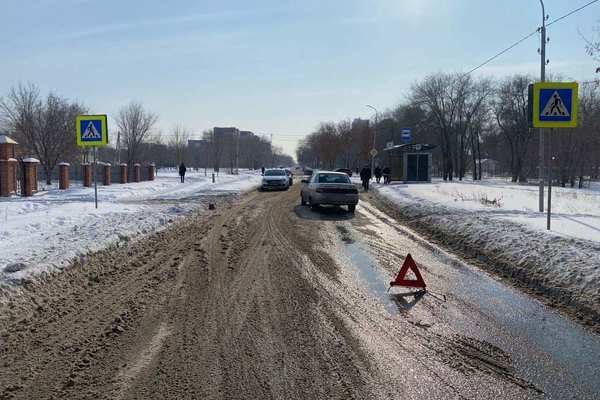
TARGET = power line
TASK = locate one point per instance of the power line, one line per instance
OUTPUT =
(572, 12)
(530, 35)
(489, 60)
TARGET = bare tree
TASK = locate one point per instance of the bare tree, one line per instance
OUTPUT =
(136, 125)
(179, 142)
(438, 95)
(510, 109)
(577, 149)
(217, 147)
(592, 46)
(344, 132)
(472, 98)
(45, 128)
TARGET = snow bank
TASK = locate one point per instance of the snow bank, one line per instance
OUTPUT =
(49, 230)
(575, 212)
(497, 222)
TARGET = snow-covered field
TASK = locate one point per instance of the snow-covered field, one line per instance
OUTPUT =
(50, 229)
(498, 221)
(575, 212)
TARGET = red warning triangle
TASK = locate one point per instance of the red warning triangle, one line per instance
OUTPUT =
(400, 279)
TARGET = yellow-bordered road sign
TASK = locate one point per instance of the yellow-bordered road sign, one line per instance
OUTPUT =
(555, 104)
(92, 130)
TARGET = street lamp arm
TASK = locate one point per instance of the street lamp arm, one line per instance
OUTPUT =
(543, 13)
(373, 108)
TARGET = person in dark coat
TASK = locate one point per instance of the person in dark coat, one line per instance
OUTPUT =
(387, 175)
(262, 170)
(378, 173)
(182, 170)
(365, 177)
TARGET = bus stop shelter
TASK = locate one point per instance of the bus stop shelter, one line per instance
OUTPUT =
(410, 162)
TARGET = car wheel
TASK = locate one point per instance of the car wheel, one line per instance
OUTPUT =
(352, 208)
(313, 206)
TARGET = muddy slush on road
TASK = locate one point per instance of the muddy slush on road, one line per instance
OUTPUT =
(262, 298)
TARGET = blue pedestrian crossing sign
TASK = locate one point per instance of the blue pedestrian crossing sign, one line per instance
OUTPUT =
(92, 130)
(555, 104)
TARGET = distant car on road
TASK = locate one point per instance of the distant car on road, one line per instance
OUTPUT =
(297, 170)
(345, 171)
(331, 188)
(275, 178)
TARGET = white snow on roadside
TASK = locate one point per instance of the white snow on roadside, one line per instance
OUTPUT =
(49, 230)
(575, 212)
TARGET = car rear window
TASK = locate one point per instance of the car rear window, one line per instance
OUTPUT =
(275, 172)
(333, 178)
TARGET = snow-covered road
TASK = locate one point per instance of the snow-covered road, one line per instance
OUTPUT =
(53, 228)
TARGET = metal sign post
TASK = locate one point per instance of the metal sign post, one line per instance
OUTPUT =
(550, 159)
(553, 105)
(95, 180)
(92, 131)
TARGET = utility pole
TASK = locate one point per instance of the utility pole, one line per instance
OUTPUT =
(541, 131)
(374, 138)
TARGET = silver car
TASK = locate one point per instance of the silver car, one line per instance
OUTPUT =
(325, 187)
(275, 179)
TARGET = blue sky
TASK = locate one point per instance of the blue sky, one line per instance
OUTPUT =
(273, 67)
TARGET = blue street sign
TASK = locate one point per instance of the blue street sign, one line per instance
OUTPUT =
(406, 135)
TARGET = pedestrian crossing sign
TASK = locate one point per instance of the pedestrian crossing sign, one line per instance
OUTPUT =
(92, 130)
(555, 104)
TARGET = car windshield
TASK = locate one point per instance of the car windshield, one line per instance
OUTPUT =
(333, 178)
(275, 172)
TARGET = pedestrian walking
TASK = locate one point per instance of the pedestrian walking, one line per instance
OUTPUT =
(378, 174)
(182, 170)
(365, 177)
(387, 175)
(262, 171)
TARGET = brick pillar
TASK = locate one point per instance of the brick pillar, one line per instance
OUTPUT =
(8, 166)
(87, 174)
(137, 173)
(8, 177)
(4, 178)
(151, 171)
(123, 172)
(30, 177)
(63, 175)
(106, 177)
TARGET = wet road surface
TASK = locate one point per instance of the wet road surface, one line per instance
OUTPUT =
(547, 349)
